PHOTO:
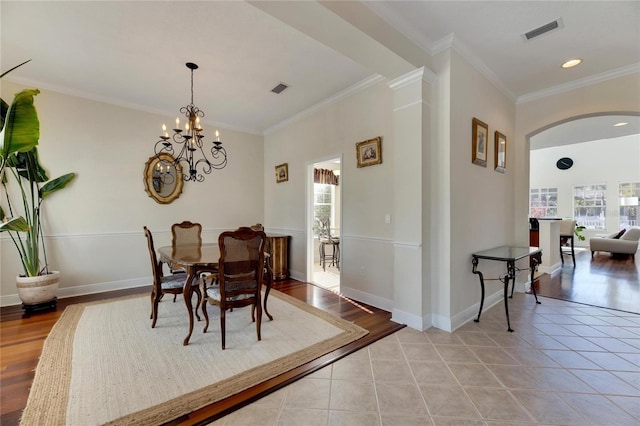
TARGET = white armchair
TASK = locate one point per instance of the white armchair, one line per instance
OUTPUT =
(626, 244)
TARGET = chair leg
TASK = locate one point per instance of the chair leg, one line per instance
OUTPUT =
(259, 319)
(152, 299)
(154, 309)
(573, 253)
(222, 322)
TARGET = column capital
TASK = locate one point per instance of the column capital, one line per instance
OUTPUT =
(422, 73)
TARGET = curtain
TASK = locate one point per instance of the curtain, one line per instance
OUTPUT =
(324, 176)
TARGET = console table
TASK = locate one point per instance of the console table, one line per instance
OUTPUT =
(278, 248)
(509, 255)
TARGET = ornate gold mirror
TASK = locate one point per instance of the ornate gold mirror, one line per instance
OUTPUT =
(162, 180)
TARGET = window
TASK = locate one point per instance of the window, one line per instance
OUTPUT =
(322, 196)
(543, 202)
(590, 206)
(628, 194)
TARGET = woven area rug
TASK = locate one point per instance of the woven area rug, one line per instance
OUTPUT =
(102, 363)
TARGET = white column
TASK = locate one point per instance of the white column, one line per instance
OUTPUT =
(550, 245)
(411, 115)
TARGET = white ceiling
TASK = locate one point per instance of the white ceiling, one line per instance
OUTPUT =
(133, 53)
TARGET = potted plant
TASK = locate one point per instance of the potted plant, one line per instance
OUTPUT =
(20, 166)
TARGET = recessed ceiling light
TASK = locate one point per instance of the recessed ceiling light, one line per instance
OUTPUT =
(622, 123)
(572, 63)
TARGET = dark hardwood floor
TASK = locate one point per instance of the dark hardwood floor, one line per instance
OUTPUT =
(604, 281)
(22, 338)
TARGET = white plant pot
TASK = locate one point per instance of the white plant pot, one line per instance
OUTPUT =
(40, 289)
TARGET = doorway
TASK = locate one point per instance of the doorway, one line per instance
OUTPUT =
(324, 223)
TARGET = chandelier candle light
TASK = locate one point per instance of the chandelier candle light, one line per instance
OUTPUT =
(189, 141)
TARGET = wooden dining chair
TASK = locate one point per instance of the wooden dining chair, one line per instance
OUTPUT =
(185, 232)
(240, 274)
(268, 269)
(165, 284)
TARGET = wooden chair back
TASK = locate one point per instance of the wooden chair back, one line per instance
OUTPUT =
(156, 266)
(240, 275)
(186, 233)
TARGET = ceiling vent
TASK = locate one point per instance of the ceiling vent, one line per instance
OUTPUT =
(279, 88)
(537, 32)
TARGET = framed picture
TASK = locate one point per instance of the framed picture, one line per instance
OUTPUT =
(282, 172)
(500, 152)
(369, 152)
(479, 143)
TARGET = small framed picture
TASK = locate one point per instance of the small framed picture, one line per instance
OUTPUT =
(369, 152)
(479, 143)
(282, 172)
(500, 152)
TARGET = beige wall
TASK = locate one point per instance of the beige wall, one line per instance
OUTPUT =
(620, 94)
(366, 241)
(481, 216)
(93, 227)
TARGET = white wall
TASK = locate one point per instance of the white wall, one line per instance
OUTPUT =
(366, 241)
(94, 226)
(610, 162)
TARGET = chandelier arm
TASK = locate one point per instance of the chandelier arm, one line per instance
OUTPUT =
(163, 146)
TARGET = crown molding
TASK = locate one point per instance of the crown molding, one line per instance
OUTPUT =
(583, 82)
(479, 65)
(396, 21)
(64, 90)
(422, 73)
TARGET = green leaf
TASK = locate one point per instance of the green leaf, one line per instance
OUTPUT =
(27, 164)
(4, 108)
(17, 224)
(56, 184)
(21, 129)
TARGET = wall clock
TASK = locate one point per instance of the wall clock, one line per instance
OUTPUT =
(564, 163)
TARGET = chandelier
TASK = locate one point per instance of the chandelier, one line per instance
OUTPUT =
(188, 142)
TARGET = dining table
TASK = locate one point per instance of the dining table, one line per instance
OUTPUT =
(197, 259)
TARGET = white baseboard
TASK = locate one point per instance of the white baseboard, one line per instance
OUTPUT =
(13, 299)
(411, 320)
(369, 299)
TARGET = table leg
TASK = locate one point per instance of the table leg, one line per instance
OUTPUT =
(535, 262)
(187, 292)
(511, 274)
(479, 274)
(266, 293)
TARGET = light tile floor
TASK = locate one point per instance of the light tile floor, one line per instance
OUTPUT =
(565, 364)
(327, 278)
